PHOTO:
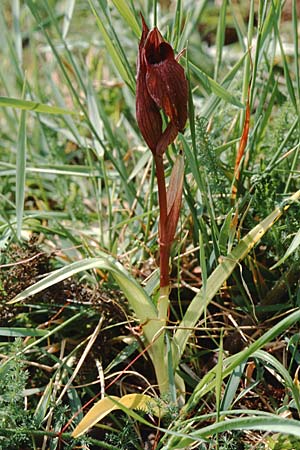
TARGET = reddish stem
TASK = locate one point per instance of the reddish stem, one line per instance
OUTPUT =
(164, 246)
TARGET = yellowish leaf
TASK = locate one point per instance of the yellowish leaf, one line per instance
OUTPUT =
(106, 405)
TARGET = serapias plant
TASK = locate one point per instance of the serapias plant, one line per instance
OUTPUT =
(162, 85)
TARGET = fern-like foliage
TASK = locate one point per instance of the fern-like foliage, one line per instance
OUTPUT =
(13, 415)
(208, 159)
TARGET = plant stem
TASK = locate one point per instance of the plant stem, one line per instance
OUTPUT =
(164, 246)
(159, 360)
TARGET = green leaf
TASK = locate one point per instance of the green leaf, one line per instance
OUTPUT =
(22, 332)
(213, 101)
(220, 39)
(232, 386)
(33, 106)
(122, 356)
(267, 358)
(211, 85)
(45, 336)
(69, 9)
(44, 403)
(219, 377)
(115, 56)
(273, 424)
(139, 300)
(127, 14)
(20, 173)
(292, 247)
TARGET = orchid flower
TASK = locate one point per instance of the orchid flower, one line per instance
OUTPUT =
(161, 85)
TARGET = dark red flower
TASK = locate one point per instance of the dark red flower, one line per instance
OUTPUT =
(161, 84)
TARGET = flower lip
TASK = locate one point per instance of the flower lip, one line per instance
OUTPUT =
(156, 55)
(156, 48)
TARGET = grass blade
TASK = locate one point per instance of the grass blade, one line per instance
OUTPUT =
(28, 105)
(296, 44)
(232, 386)
(287, 75)
(128, 16)
(21, 172)
(270, 424)
(292, 247)
(69, 9)
(268, 358)
(114, 54)
(17, 31)
(211, 86)
(220, 39)
(21, 332)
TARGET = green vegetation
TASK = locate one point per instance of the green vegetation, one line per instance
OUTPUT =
(214, 363)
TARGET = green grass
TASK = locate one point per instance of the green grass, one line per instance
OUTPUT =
(79, 227)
